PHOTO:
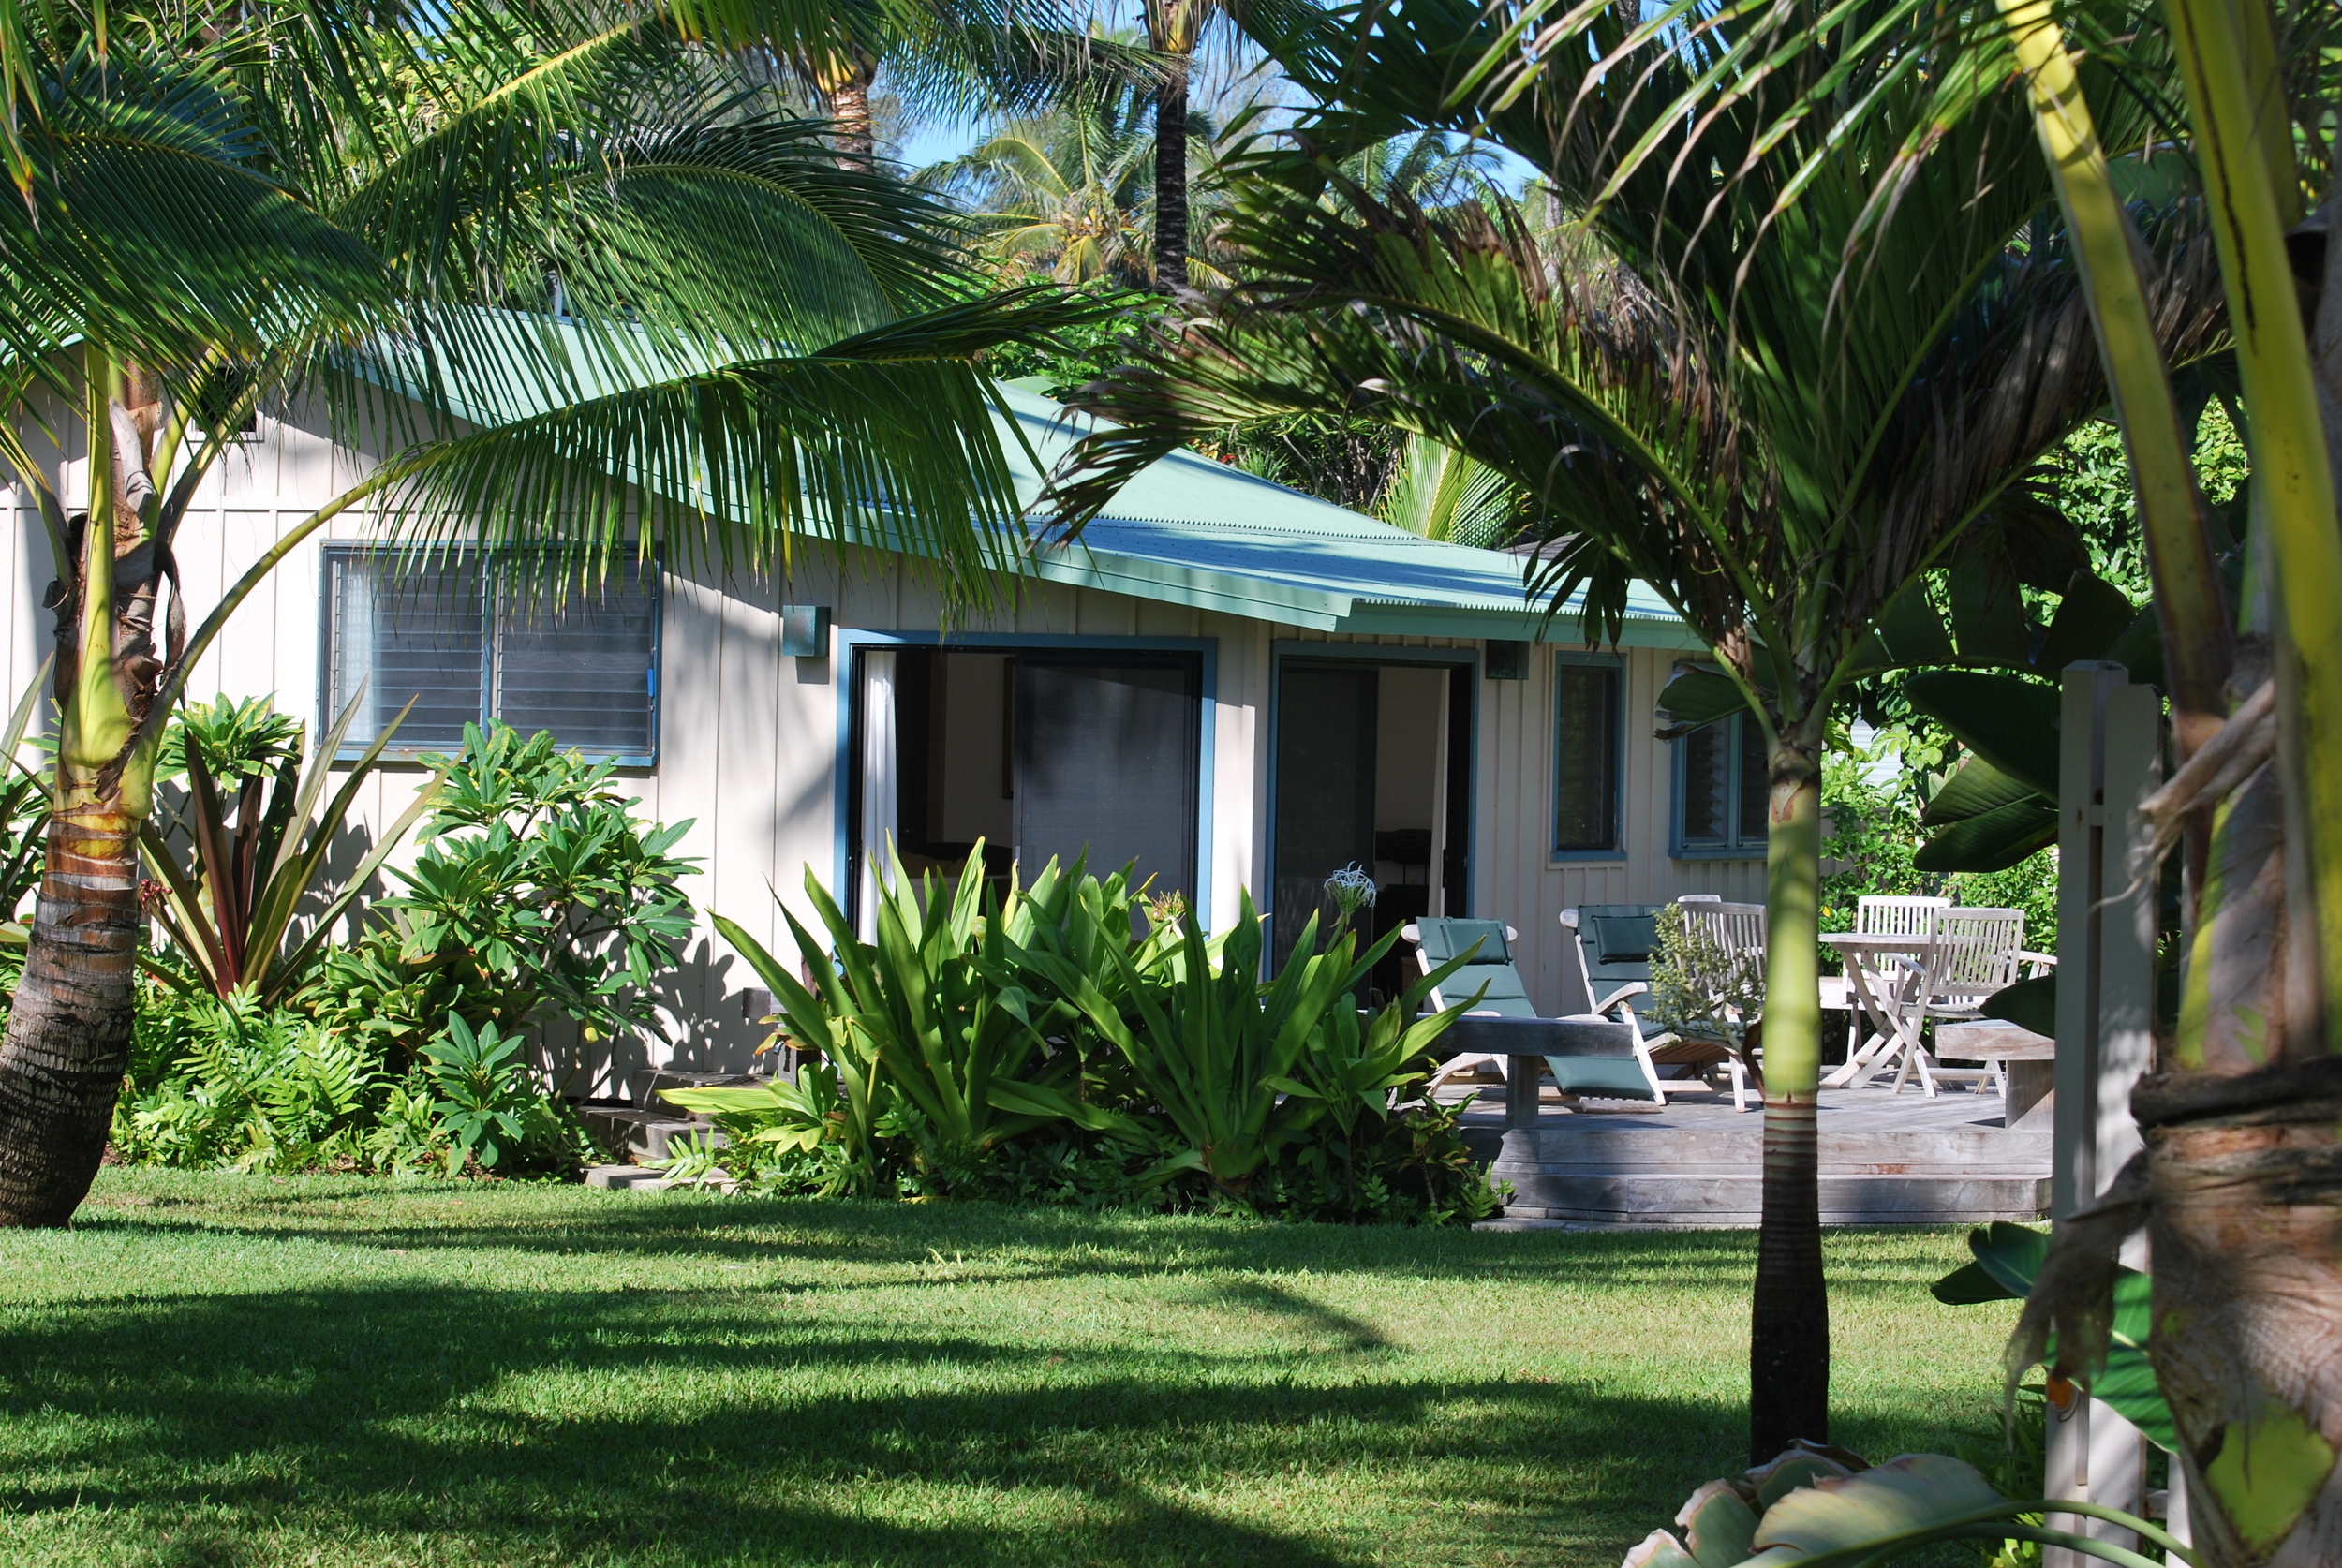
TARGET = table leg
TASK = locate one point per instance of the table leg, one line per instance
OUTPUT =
(1858, 1068)
(1521, 1090)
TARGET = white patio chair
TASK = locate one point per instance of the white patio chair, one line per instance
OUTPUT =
(1971, 953)
(1876, 915)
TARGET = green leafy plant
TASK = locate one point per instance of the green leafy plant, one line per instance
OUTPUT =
(1827, 1508)
(257, 843)
(1216, 1053)
(485, 1096)
(536, 892)
(258, 1089)
(24, 812)
(1697, 988)
(2008, 1260)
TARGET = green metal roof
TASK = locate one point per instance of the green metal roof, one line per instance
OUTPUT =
(1195, 532)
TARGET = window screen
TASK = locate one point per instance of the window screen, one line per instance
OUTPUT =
(443, 630)
(1585, 757)
(1107, 751)
(1721, 789)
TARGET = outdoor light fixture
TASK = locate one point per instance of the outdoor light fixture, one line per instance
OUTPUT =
(1507, 660)
(805, 631)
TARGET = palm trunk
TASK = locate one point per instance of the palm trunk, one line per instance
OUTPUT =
(1171, 182)
(1789, 1347)
(847, 84)
(67, 1044)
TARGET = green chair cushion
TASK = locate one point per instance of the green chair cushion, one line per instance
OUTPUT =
(1607, 1078)
(1624, 938)
(1506, 993)
(1444, 938)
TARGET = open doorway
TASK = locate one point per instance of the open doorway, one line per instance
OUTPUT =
(1373, 770)
(1038, 752)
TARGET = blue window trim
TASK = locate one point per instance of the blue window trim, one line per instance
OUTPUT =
(654, 577)
(1677, 849)
(1366, 653)
(853, 641)
(1616, 852)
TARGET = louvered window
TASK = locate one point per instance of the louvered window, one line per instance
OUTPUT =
(1721, 791)
(468, 643)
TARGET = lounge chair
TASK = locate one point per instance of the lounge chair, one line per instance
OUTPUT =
(1613, 943)
(1492, 978)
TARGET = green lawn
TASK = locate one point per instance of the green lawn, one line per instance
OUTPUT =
(215, 1370)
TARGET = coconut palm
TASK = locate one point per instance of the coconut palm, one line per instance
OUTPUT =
(1783, 416)
(956, 60)
(573, 268)
(1066, 193)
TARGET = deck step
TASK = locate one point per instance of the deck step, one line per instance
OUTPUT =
(1883, 1160)
(631, 1131)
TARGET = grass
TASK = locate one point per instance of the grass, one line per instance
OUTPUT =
(222, 1370)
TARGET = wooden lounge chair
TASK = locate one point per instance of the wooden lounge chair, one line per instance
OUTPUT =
(1612, 942)
(1492, 978)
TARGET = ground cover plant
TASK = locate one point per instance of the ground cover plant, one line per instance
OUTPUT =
(219, 1369)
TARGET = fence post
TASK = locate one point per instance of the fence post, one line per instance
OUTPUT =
(2109, 760)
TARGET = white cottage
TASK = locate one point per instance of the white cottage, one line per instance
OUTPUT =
(1239, 685)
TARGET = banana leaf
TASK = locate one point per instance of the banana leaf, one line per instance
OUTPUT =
(2008, 1259)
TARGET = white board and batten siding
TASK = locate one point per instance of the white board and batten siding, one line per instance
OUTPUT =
(747, 738)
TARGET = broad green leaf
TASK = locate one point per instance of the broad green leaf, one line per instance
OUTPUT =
(1720, 1527)
(1974, 789)
(1696, 697)
(2009, 721)
(2091, 620)
(1994, 841)
(1988, 614)
(1903, 1496)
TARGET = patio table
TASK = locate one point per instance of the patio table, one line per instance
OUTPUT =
(1865, 956)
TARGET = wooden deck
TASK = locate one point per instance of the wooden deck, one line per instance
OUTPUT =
(1886, 1160)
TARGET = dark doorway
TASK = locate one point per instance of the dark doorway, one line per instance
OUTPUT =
(1107, 750)
(1326, 730)
(1373, 770)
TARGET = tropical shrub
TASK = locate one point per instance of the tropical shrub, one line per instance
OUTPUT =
(233, 1084)
(537, 895)
(1071, 1044)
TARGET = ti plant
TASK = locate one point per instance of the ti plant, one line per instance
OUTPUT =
(258, 845)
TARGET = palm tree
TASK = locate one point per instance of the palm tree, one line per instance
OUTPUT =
(955, 59)
(1782, 415)
(572, 265)
(1066, 193)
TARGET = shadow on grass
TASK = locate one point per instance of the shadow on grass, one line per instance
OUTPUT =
(457, 1414)
(983, 1240)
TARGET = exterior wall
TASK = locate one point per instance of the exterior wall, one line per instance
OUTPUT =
(749, 738)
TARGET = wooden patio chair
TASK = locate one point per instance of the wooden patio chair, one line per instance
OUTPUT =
(1876, 915)
(1497, 983)
(1612, 943)
(1971, 953)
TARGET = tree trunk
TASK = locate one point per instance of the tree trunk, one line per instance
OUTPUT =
(848, 94)
(68, 1037)
(1788, 1344)
(1171, 182)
